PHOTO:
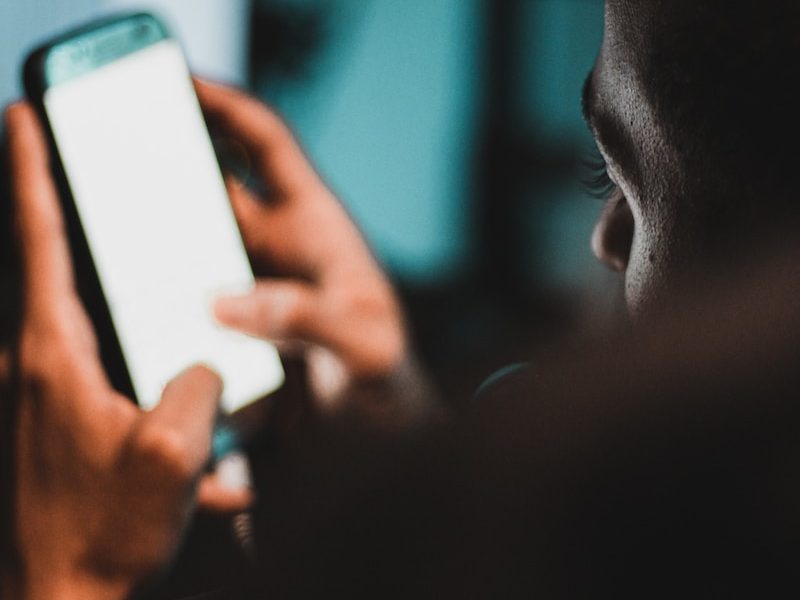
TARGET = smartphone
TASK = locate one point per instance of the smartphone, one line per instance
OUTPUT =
(152, 231)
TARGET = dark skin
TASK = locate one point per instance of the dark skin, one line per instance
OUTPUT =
(654, 225)
(689, 187)
(637, 232)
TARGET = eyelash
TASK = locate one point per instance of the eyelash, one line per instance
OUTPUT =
(594, 178)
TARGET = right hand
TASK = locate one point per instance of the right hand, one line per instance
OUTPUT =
(330, 294)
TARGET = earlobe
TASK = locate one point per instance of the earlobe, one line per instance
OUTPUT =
(613, 234)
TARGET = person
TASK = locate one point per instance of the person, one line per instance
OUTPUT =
(689, 105)
(688, 419)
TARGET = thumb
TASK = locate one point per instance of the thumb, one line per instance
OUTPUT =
(188, 410)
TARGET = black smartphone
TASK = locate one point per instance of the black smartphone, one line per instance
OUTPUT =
(153, 234)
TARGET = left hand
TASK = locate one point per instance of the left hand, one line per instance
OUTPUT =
(103, 490)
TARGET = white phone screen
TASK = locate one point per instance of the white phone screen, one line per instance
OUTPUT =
(155, 212)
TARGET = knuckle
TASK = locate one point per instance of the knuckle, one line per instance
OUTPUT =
(166, 450)
(57, 327)
(40, 362)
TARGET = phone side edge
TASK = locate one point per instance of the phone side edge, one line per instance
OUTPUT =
(87, 279)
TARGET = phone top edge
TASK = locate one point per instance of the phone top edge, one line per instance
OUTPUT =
(90, 46)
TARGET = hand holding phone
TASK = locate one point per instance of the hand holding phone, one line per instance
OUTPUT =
(319, 283)
(103, 490)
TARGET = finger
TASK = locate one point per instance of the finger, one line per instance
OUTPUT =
(215, 496)
(273, 310)
(272, 146)
(47, 270)
(273, 236)
(250, 212)
(277, 236)
(187, 414)
(49, 292)
(228, 488)
(352, 327)
(252, 217)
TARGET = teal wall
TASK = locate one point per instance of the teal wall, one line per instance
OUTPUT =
(389, 117)
(559, 50)
(561, 41)
(390, 113)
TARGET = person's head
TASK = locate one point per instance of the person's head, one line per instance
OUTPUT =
(694, 108)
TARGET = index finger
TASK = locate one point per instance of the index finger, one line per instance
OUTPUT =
(47, 268)
(264, 135)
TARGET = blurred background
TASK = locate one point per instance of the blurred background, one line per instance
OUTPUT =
(450, 129)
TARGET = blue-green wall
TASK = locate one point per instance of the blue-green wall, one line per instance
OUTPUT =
(390, 113)
(389, 117)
